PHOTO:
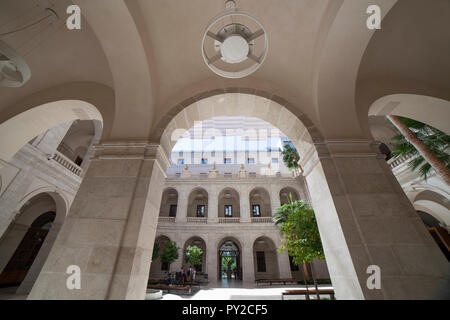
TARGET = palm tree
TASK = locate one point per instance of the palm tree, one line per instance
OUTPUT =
(428, 143)
(291, 157)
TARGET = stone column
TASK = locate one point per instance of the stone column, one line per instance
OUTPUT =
(212, 260)
(38, 263)
(248, 263)
(365, 219)
(110, 229)
(178, 264)
(213, 204)
(274, 198)
(10, 199)
(284, 266)
(244, 201)
(95, 140)
(182, 207)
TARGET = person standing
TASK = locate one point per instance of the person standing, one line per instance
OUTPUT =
(183, 275)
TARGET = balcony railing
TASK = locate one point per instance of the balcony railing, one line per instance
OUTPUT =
(166, 219)
(229, 220)
(202, 220)
(262, 220)
(67, 163)
(394, 163)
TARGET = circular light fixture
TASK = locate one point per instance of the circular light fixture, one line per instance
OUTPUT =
(234, 49)
(14, 71)
(229, 46)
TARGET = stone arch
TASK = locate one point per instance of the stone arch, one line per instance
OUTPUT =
(336, 70)
(61, 201)
(18, 130)
(199, 242)
(235, 102)
(169, 199)
(259, 196)
(156, 271)
(427, 109)
(433, 204)
(229, 197)
(40, 203)
(239, 258)
(198, 197)
(285, 193)
(265, 258)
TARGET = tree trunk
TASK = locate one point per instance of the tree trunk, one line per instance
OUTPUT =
(306, 283)
(428, 155)
(313, 274)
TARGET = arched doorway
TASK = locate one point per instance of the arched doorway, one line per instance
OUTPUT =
(260, 203)
(169, 203)
(286, 193)
(198, 242)
(157, 268)
(230, 265)
(21, 261)
(198, 203)
(265, 259)
(229, 205)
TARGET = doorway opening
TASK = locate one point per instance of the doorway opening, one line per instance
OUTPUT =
(230, 269)
(23, 257)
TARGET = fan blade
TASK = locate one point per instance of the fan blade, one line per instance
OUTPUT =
(255, 35)
(215, 58)
(254, 58)
(214, 36)
(11, 74)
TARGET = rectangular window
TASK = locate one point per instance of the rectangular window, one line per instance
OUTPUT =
(173, 210)
(256, 210)
(227, 160)
(228, 211)
(274, 160)
(261, 261)
(200, 211)
(180, 161)
(251, 160)
(78, 161)
(204, 161)
(294, 267)
(164, 266)
(180, 153)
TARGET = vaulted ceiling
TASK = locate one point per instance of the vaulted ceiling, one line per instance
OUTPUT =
(322, 59)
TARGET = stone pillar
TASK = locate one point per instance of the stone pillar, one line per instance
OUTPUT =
(284, 266)
(95, 140)
(49, 141)
(213, 204)
(182, 207)
(274, 198)
(365, 219)
(244, 201)
(38, 263)
(110, 229)
(10, 199)
(248, 263)
(178, 264)
(212, 260)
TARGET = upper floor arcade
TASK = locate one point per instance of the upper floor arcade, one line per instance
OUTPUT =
(216, 201)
